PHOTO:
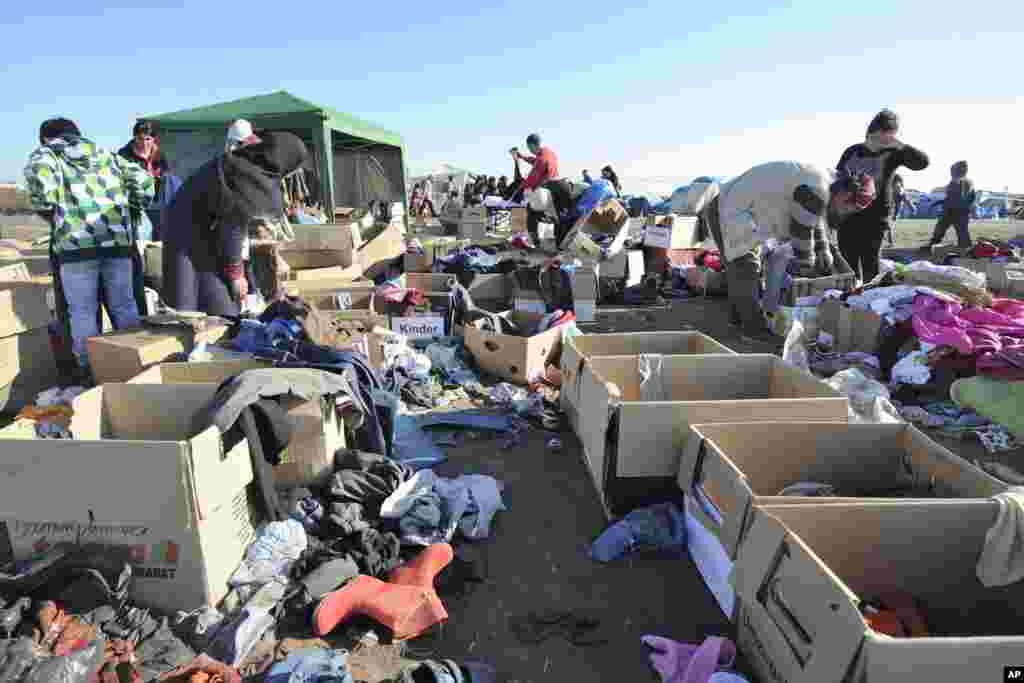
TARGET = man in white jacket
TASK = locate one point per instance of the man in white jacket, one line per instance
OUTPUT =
(786, 201)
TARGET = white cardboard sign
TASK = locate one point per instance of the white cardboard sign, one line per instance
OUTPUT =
(658, 236)
(419, 327)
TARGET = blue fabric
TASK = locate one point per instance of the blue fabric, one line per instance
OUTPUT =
(313, 665)
(599, 191)
(658, 526)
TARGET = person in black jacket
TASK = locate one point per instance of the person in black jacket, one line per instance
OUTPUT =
(210, 216)
(881, 153)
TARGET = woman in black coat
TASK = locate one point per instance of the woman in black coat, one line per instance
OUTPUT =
(209, 219)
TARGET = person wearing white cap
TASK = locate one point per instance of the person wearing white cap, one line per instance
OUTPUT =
(240, 134)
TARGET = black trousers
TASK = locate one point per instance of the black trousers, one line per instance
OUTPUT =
(860, 243)
(959, 219)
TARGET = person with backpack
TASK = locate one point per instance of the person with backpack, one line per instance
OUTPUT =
(956, 210)
(879, 156)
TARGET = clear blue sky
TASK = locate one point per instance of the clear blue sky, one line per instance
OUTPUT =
(602, 81)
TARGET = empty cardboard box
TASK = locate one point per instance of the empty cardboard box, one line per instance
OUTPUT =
(578, 349)
(730, 469)
(803, 572)
(139, 485)
(650, 419)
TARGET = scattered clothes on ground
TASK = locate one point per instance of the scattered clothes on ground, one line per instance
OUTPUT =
(679, 662)
(313, 665)
(912, 369)
(997, 438)
(658, 526)
(1002, 557)
(869, 399)
(271, 555)
(896, 615)
(203, 669)
(1002, 402)
(361, 482)
(408, 611)
(429, 508)
(994, 335)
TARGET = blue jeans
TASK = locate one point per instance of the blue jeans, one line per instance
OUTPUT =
(81, 281)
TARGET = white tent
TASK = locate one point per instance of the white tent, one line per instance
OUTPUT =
(445, 178)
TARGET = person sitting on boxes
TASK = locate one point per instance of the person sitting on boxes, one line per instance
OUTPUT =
(784, 201)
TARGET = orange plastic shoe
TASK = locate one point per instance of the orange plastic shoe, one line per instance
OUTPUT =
(422, 569)
(407, 610)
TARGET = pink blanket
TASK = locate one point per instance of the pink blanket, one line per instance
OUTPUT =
(994, 335)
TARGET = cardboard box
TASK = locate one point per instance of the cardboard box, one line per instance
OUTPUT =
(137, 483)
(120, 356)
(318, 433)
(626, 264)
(995, 273)
(344, 237)
(803, 571)
(641, 460)
(382, 252)
(37, 264)
(733, 468)
(23, 307)
(579, 349)
(671, 232)
(515, 359)
(1015, 284)
(26, 368)
(518, 219)
(419, 263)
(851, 329)
(15, 272)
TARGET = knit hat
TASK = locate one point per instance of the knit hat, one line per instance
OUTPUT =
(959, 169)
(533, 139)
(886, 119)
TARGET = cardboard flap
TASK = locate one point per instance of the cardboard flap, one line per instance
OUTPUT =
(595, 403)
(794, 606)
(209, 467)
(725, 487)
(937, 660)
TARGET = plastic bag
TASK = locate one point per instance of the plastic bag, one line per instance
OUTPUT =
(794, 350)
(77, 667)
(869, 400)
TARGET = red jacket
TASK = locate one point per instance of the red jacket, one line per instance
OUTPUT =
(545, 168)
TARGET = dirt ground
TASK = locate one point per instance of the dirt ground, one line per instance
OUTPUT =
(913, 232)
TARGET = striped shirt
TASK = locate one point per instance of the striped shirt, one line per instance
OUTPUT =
(781, 200)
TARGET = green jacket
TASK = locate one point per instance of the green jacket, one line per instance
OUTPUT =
(91, 193)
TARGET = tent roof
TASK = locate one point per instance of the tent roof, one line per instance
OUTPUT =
(276, 104)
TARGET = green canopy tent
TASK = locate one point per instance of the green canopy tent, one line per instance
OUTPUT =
(356, 161)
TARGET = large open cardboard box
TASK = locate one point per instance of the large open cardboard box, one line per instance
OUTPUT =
(852, 329)
(519, 360)
(577, 349)
(138, 484)
(633, 446)
(804, 569)
(318, 433)
(120, 356)
(382, 252)
(733, 468)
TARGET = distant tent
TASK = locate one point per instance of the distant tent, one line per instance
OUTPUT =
(355, 161)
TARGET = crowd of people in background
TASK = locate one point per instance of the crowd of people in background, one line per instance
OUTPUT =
(100, 205)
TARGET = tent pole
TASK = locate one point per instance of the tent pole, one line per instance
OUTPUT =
(322, 138)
